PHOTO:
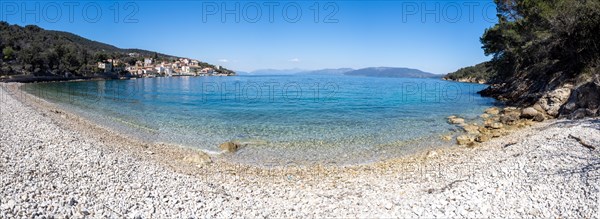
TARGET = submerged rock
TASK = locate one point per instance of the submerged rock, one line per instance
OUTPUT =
(455, 120)
(229, 147)
(246, 142)
(492, 111)
(447, 137)
(471, 129)
(431, 154)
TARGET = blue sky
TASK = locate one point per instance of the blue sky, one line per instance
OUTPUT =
(434, 36)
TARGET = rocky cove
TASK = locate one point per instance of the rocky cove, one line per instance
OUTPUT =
(56, 164)
(161, 148)
(573, 99)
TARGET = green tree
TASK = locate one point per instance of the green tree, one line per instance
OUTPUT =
(101, 57)
(8, 53)
(538, 45)
(541, 34)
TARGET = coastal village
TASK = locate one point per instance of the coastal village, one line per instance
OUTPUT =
(152, 67)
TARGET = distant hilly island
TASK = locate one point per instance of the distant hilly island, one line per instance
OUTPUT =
(388, 72)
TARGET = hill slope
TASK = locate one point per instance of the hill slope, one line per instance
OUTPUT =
(391, 73)
(327, 71)
(33, 51)
(482, 73)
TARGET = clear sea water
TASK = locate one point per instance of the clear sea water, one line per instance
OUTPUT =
(285, 119)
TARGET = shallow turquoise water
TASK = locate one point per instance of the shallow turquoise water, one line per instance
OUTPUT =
(283, 119)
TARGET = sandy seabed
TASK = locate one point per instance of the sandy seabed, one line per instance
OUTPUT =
(56, 164)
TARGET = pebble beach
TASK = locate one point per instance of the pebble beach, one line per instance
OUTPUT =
(56, 164)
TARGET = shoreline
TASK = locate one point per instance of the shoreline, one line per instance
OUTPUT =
(176, 152)
(435, 183)
(69, 120)
(49, 79)
(426, 142)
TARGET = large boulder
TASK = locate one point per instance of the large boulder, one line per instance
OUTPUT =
(584, 101)
(582, 113)
(552, 101)
(529, 113)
